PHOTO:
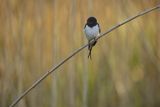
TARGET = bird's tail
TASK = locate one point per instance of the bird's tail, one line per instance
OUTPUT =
(90, 49)
(90, 52)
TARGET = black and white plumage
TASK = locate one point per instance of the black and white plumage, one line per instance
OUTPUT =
(92, 31)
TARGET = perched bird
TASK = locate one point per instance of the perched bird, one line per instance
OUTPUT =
(92, 31)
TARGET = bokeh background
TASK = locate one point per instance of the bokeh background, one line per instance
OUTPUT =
(37, 34)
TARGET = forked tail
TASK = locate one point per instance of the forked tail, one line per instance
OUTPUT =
(90, 49)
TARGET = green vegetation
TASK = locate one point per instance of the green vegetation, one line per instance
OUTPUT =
(124, 70)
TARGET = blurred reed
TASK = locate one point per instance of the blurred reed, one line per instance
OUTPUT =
(124, 71)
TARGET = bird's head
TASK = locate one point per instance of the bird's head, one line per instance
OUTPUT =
(91, 21)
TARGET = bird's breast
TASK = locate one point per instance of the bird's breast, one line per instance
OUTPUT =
(91, 32)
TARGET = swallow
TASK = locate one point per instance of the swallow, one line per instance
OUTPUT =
(92, 31)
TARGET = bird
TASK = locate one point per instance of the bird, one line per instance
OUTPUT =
(92, 31)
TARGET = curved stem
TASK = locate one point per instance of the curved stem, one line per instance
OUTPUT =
(77, 51)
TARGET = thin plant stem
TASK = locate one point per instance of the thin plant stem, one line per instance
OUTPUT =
(77, 51)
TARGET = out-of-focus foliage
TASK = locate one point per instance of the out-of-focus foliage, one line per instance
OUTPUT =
(37, 34)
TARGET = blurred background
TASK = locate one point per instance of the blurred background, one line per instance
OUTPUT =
(37, 34)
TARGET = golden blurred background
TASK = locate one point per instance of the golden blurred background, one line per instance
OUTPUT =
(37, 34)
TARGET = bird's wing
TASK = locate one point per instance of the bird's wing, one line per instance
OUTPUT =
(99, 28)
(84, 26)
